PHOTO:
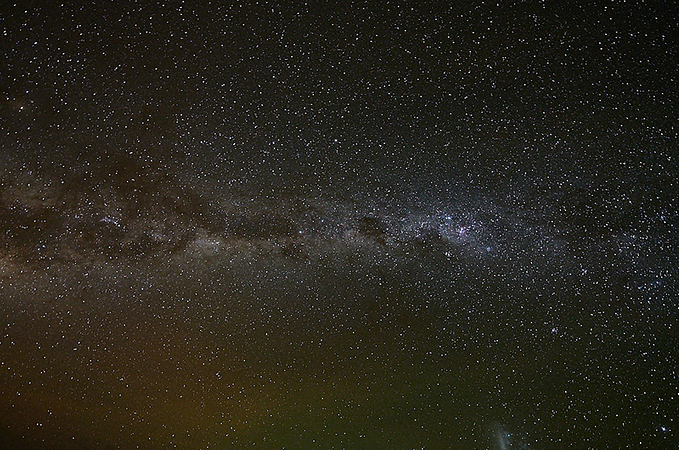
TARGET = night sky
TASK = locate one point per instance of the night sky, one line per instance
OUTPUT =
(363, 225)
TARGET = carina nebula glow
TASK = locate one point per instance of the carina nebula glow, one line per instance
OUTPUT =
(350, 226)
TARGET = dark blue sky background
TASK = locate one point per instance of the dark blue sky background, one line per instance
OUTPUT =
(351, 225)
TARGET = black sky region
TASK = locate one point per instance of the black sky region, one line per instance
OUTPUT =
(339, 225)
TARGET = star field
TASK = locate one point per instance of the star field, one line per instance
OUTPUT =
(364, 225)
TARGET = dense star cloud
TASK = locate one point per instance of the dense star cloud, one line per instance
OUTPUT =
(364, 225)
